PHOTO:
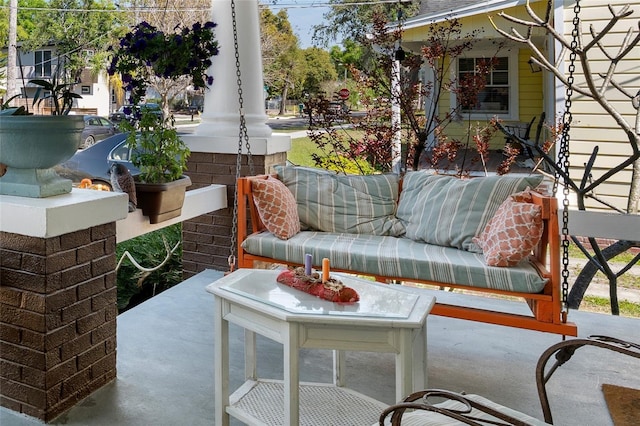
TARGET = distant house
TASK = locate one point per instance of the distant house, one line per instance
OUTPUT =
(516, 92)
(43, 64)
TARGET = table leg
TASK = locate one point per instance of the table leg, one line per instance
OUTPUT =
(420, 359)
(339, 368)
(291, 375)
(404, 364)
(221, 365)
(250, 363)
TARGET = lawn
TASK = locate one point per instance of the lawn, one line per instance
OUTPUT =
(301, 150)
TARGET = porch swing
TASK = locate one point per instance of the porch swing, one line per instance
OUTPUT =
(548, 306)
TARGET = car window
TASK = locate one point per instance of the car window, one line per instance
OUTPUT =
(93, 122)
(120, 153)
(105, 122)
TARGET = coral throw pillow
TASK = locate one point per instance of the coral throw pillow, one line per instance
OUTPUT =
(513, 232)
(276, 207)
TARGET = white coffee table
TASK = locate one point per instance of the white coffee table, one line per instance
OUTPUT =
(387, 319)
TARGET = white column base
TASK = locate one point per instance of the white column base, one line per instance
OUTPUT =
(274, 144)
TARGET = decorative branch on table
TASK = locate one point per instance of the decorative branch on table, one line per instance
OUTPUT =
(330, 289)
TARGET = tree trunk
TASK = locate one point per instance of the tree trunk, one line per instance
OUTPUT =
(166, 111)
(283, 103)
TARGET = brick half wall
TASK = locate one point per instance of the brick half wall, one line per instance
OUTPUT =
(207, 238)
(57, 319)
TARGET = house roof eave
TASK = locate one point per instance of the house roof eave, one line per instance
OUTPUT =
(462, 12)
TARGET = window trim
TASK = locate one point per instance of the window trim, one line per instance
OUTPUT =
(514, 98)
(41, 65)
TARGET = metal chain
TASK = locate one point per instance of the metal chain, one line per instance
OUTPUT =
(563, 159)
(243, 136)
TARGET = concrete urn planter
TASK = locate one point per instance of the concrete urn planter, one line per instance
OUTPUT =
(30, 145)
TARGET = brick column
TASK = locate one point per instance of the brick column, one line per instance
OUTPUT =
(206, 239)
(57, 299)
(57, 319)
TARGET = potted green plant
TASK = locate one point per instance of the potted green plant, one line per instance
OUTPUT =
(161, 156)
(31, 145)
(146, 53)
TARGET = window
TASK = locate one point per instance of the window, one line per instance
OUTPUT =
(500, 95)
(86, 90)
(120, 153)
(42, 63)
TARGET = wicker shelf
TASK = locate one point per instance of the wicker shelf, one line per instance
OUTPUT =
(261, 403)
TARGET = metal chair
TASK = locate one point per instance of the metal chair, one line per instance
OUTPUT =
(462, 409)
(521, 131)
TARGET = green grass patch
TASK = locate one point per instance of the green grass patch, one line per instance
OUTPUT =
(291, 129)
(602, 305)
(303, 148)
(301, 151)
(576, 253)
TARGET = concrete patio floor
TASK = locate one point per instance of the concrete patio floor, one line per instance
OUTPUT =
(165, 365)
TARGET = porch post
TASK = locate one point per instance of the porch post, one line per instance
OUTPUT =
(221, 104)
(215, 144)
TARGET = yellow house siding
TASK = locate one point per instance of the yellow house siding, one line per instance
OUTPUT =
(530, 89)
(592, 126)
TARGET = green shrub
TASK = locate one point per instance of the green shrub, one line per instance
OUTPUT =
(149, 250)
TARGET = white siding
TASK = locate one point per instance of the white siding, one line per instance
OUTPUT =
(592, 125)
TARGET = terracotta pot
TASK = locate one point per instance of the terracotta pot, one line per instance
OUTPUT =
(162, 201)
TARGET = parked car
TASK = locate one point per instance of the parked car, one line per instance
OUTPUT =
(95, 161)
(126, 112)
(96, 129)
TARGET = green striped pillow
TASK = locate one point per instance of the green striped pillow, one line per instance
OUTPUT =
(344, 203)
(448, 211)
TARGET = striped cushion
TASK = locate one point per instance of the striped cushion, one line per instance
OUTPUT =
(449, 211)
(344, 203)
(397, 257)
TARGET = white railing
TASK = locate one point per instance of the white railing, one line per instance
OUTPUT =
(197, 202)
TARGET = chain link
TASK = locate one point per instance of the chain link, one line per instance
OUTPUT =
(243, 136)
(563, 159)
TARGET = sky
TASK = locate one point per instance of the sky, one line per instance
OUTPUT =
(303, 15)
